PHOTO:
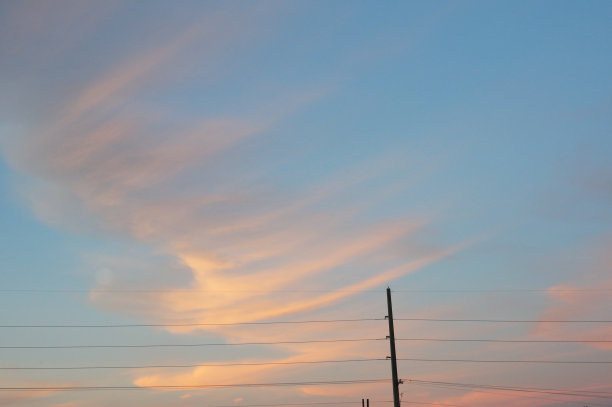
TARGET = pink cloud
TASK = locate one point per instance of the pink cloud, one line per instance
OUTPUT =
(579, 301)
(103, 161)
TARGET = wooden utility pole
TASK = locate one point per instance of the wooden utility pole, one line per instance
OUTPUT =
(396, 382)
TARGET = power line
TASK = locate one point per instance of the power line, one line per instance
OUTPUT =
(315, 321)
(494, 387)
(522, 396)
(319, 321)
(188, 291)
(178, 366)
(504, 389)
(194, 365)
(192, 387)
(503, 320)
(177, 291)
(509, 361)
(509, 290)
(175, 345)
(315, 403)
(332, 403)
(503, 340)
(429, 403)
(163, 291)
(558, 392)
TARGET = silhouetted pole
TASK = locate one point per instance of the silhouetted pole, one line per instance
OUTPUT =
(363, 403)
(396, 398)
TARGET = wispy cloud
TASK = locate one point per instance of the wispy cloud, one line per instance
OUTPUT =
(579, 300)
(19, 397)
(105, 159)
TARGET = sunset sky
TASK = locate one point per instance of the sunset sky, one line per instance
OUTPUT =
(172, 170)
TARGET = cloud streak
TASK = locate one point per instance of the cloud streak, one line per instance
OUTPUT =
(213, 217)
(573, 302)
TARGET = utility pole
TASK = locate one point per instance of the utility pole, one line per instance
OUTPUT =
(396, 382)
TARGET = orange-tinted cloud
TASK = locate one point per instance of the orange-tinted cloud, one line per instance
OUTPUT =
(187, 187)
(579, 301)
(500, 398)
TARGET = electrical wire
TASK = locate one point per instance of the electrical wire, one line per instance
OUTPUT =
(177, 366)
(188, 291)
(194, 365)
(429, 403)
(194, 387)
(508, 361)
(319, 321)
(314, 403)
(337, 403)
(178, 345)
(162, 291)
(558, 392)
(294, 363)
(510, 290)
(503, 340)
(524, 396)
(502, 320)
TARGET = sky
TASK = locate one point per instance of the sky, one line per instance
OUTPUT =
(190, 174)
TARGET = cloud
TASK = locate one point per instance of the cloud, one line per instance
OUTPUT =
(502, 398)
(8, 398)
(487, 398)
(348, 391)
(202, 192)
(19, 397)
(577, 300)
(285, 369)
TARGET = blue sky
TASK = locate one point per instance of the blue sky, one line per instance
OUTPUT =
(227, 162)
